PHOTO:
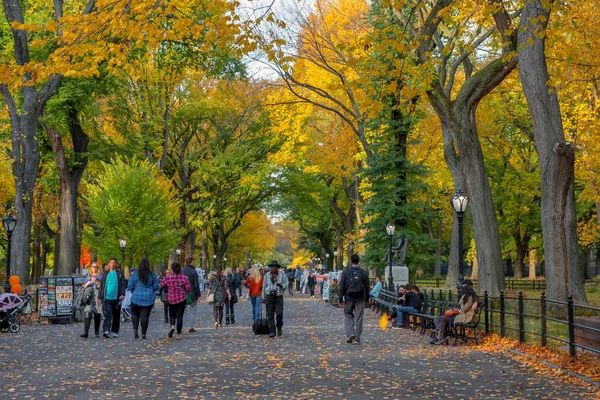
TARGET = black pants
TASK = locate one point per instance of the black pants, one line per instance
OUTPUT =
(88, 321)
(291, 287)
(312, 290)
(218, 313)
(274, 306)
(229, 314)
(112, 316)
(297, 285)
(166, 305)
(140, 313)
(240, 290)
(176, 315)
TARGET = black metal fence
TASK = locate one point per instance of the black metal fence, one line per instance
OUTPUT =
(509, 283)
(537, 320)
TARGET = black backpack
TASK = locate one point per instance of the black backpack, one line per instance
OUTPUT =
(355, 287)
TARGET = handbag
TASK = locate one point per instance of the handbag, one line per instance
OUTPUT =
(211, 298)
(188, 299)
(234, 298)
(260, 325)
(451, 313)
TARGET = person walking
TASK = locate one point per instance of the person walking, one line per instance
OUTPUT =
(112, 291)
(255, 284)
(311, 282)
(298, 277)
(353, 293)
(190, 272)
(164, 295)
(178, 287)
(274, 283)
(229, 313)
(291, 277)
(91, 300)
(220, 290)
(143, 285)
(238, 281)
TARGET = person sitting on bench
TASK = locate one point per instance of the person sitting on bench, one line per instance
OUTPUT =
(468, 306)
(376, 289)
(412, 304)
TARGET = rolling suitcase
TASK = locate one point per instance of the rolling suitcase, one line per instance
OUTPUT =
(260, 326)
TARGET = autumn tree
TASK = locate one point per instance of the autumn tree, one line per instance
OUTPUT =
(444, 45)
(557, 157)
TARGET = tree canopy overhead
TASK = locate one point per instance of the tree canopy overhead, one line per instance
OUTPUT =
(249, 131)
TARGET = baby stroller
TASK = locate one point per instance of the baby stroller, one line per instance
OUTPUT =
(126, 307)
(78, 305)
(10, 305)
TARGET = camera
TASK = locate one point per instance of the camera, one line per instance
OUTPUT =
(273, 293)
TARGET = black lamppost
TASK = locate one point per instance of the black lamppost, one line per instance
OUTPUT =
(122, 244)
(214, 262)
(178, 252)
(225, 261)
(335, 261)
(351, 248)
(390, 228)
(10, 223)
(460, 201)
(326, 262)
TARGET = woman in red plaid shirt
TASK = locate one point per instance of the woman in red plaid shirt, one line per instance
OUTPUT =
(178, 287)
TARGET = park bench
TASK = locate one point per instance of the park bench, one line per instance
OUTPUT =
(385, 301)
(430, 309)
(460, 329)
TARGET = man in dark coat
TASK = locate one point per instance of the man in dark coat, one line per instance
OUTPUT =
(112, 293)
(354, 292)
(190, 314)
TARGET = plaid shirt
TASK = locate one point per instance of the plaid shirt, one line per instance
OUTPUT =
(143, 295)
(174, 294)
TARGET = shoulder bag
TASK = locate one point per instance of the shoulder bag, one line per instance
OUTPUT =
(188, 299)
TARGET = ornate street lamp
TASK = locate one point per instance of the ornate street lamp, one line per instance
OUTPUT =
(214, 261)
(459, 202)
(178, 252)
(10, 223)
(122, 245)
(351, 248)
(326, 262)
(335, 254)
(390, 228)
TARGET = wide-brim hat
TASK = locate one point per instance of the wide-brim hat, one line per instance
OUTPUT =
(274, 263)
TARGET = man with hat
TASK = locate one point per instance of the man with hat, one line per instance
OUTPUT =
(274, 283)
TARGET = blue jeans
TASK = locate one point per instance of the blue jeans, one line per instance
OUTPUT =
(404, 309)
(255, 300)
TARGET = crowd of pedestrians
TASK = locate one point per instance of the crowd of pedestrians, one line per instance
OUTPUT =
(180, 292)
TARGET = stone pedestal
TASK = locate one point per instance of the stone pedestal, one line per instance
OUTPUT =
(399, 273)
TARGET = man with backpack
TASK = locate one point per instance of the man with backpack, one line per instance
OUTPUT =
(353, 293)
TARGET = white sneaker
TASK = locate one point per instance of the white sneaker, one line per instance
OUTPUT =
(114, 335)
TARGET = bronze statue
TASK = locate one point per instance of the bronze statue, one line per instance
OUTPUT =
(399, 251)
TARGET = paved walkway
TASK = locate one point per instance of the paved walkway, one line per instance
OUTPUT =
(311, 361)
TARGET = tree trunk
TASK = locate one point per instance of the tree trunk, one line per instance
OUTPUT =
(38, 249)
(190, 243)
(522, 247)
(204, 244)
(437, 269)
(557, 160)
(70, 174)
(475, 270)
(532, 263)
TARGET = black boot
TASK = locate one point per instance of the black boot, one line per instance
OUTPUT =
(232, 319)
(86, 327)
(97, 325)
(227, 320)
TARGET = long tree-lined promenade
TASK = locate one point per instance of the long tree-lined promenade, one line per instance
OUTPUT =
(310, 361)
